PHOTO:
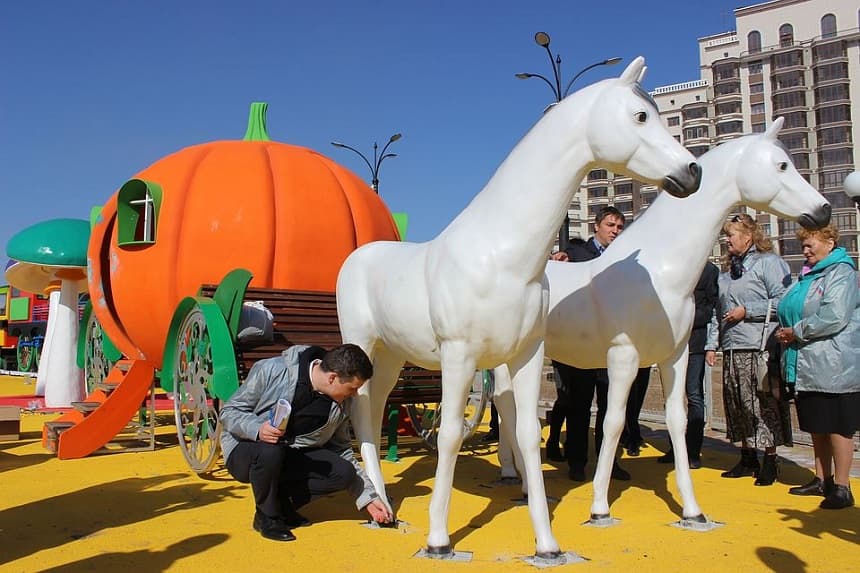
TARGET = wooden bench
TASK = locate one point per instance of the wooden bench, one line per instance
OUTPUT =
(310, 317)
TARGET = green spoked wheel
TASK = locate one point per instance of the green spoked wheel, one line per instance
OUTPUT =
(27, 354)
(201, 362)
(425, 417)
(100, 354)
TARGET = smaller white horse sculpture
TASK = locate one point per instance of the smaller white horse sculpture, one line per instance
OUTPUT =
(633, 305)
(475, 297)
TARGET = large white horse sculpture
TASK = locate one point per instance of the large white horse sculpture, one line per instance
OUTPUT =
(475, 297)
(633, 305)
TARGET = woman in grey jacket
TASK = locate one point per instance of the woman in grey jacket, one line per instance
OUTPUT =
(820, 328)
(755, 283)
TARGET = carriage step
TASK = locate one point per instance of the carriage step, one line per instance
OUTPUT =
(85, 407)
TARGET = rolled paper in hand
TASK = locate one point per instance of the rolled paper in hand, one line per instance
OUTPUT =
(281, 414)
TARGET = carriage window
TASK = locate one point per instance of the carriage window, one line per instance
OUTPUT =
(138, 204)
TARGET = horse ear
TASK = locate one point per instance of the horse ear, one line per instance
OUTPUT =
(634, 71)
(774, 128)
(642, 74)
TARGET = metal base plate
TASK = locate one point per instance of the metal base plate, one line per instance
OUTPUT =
(602, 521)
(462, 556)
(396, 524)
(524, 500)
(563, 559)
(697, 524)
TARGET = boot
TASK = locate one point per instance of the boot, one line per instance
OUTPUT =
(555, 419)
(748, 466)
(839, 497)
(769, 471)
(814, 487)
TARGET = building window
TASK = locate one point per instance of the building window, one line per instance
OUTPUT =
(787, 100)
(828, 51)
(845, 220)
(758, 127)
(623, 188)
(725, 72)
(830, 93)
(832, 179)
(794, 119)
(597, 174)
(727, 89)
(696, 132)
(839, 156)
(786, 36)
(730, 127)
(754, 67)
(754, 42)
(757, 108)
(828, 26)
(594, 192)
(832, 135)
(698, 150)
(835, 71)
(788, 80)
(839, 200)
(728, 107)
(756, 88)
(833, 114)
(788, 59)
(695, 112)
(625, 206)
(673, 121)
(794, 140)
(800, 160)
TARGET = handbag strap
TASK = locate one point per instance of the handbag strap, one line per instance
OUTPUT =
(764, 328)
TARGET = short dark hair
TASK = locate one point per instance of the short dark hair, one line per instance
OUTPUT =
(348, 361)
(609, 211)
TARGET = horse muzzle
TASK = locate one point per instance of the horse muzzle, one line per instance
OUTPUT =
(685, 183)
(817, 219)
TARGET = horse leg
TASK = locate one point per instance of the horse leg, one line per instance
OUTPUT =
(510, 459)
(622, 365)
(674, 374)
(367, 412)
(526, 385)
(458, 370)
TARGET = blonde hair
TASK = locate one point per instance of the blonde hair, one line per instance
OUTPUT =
(828, 233)
(747, 225)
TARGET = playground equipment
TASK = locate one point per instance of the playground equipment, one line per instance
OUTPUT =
(475, 297)
(23, 321)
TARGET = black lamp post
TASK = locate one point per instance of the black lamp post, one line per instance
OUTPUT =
(377, 158)
(542, 39)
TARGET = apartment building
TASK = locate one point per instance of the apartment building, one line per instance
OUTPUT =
(792, 58)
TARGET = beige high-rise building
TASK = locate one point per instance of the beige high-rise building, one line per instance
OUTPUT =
(792, 58)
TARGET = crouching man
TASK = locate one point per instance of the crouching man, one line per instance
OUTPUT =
(313, 455)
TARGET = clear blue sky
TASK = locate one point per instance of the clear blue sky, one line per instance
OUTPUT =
(92, 92)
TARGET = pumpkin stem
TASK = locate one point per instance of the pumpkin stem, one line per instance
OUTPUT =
(257, 122)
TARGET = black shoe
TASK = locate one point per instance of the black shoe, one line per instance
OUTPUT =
(490, 437)
(769, 471)
(748, 466)
(667, 458)
(839, 497)
(273, 528)
(634, 451)
(619, 473)
(576, 474)
(815, 487)
(553, 453)
(695, 463)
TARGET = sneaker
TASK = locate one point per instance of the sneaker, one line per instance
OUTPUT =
(273, 528)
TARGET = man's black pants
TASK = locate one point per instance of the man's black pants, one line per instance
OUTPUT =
(582, 386)
(283, 478)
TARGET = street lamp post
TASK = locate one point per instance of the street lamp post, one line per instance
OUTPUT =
(378, 158)
(542, 39)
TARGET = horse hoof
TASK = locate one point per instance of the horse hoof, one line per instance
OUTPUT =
(601, 520)
(553, 559)
(440, 552)
(697, 523)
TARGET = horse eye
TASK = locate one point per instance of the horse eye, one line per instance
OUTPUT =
(641, 117)
(783, 166)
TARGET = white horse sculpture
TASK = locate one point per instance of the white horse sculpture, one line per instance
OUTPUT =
(475, 297)
(633, 305)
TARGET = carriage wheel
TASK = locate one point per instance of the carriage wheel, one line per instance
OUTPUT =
(200, 370)
(97, 364)
(26, 353)
(425, 417)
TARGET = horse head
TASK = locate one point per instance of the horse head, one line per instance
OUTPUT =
(768, 180)
(626, 135)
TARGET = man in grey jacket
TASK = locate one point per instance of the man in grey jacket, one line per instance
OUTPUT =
(312, 456)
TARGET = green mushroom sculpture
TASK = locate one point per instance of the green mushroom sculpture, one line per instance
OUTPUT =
(51, 258)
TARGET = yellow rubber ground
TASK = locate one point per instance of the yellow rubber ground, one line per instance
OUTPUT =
(147, 512)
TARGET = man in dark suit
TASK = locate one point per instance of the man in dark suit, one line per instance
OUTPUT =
(580, 384)
(705, 296)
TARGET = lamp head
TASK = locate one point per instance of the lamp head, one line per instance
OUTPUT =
(395, 137)
(542, 39)
(611, 61)
(851, 185)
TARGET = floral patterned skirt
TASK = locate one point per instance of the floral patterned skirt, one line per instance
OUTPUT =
(757, 419)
